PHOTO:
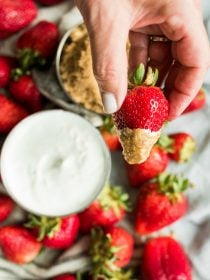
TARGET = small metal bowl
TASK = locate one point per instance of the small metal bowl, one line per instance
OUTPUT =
(58, 58)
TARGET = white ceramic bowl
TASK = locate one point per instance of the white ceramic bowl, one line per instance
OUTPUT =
(54, 163)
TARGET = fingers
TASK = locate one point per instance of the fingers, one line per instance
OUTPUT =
(160, 58)
(108, 32)
(138, 53)
(182, 84)
(190, 49)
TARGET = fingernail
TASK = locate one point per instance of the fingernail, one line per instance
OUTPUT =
(109, 102)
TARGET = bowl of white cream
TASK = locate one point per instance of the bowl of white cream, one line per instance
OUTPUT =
(54, 163)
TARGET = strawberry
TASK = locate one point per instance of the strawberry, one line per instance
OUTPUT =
(141, 116)
(156, 163)
(50, 2)
(10, 114)
(18, 244)
(7, 205)
(25, 91)
(182, 147)
(164, 258)
(108, 209)
(58, 233)
(197, 103)
(110, 250)
(109, 134)
(160, 203)
(15, 15)
(6, 65)
(37, 45)
(65, 277)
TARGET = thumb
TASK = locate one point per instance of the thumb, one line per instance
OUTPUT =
(108, 47)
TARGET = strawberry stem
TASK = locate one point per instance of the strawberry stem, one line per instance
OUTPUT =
(172, 185)
(29, 58)
(114, 197)
(166, 143)
(138, 78)
(46, 226)
(102, 254)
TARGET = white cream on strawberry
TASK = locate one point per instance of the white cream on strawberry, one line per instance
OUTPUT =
(54, 163)
(137, 143)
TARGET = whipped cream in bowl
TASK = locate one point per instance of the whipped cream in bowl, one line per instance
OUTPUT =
(54, 163)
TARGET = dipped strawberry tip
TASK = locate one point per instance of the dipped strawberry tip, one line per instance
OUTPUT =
(141, 116)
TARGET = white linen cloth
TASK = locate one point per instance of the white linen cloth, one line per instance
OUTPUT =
(193, 231)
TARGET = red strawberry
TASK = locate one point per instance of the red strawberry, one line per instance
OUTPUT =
(65, 277)
(10, 114)
(156, 163)
(6, 207)
(109, 134)
(6, 65)
(164, 258)
(110, 250)
(50, 2)
(15, 15)
(18, 244)
(160, 203)
(141, 117)
(38, 44)
(25, 91)
(182, 147)
(197, 103)
(58, 233)
(108, 209)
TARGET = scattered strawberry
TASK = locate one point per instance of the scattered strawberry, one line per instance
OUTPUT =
(141, 116)
(109, 134)
(182, 147)
(6, 207)
(156, 163)
(25, 91)
(50, 2)
(65, 277)
(58, 233)
(108, 209)
(110, 250)
(160, 203)
(6, 65)
(197, 103)
(164, 258)
(15, 15)
(18, 244)
(37, 45)
(10, 114)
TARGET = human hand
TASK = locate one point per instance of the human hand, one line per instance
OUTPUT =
(185, 57)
